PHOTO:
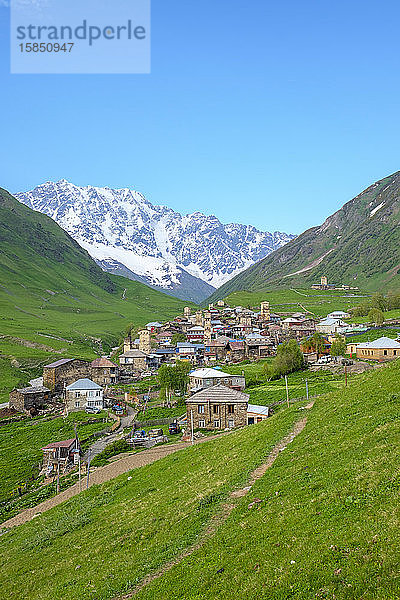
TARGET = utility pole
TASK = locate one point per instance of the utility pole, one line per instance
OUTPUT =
(191, 419)
(76, 437)
(287, 390)
(307, 389)
(88, 470)
(58, 471)
(345, 375)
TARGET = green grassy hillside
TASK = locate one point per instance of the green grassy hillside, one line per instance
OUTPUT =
(358, 245)
(317, 302)
(55, 301)
(325, 524)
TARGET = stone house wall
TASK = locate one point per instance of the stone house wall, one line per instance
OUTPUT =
(23, 402)
(216, 412)
(56, 378)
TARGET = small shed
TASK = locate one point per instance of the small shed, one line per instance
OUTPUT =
(60, 453)
(256, 413)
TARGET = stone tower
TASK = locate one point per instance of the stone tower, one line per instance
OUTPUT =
(324, 280)
(265, 311)
(144, 341)
(199, 318)
(186, 312)
(207, 327)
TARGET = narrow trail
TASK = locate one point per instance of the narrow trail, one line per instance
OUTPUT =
(225, 510)
(102, 474)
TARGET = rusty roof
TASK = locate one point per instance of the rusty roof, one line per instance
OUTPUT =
(102, 362)
(63, 444)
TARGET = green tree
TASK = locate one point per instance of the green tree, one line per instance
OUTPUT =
(393, 300)
(289, 358)
(376, 316)
(174, 377)
(338, 347)
(379, 301)
(178, 337)
(315, 343)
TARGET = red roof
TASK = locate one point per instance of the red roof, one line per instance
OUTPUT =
(63, 444)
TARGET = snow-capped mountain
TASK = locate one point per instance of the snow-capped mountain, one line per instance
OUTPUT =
(185, 255)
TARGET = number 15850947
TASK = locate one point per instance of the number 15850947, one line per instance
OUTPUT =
(43, 47)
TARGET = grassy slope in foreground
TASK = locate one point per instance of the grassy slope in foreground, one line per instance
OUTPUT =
(50, 288)
(107, 539)
(328, 524)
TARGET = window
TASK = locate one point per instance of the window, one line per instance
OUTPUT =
(216, 409)
(394, 352)
(217, 423)
(200, 409)
(250, 421)
(98, 393)
(385, 352)
(202, 423)
(90, 403)
(231, 409)
(231, 423)
(77, 394)
(77, 404)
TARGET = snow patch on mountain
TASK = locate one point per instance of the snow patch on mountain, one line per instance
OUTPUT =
(155, 242)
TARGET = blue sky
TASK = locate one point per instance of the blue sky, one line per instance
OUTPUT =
(260, 112)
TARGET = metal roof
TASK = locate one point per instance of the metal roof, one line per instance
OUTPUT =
(381, 343)
(58, 363)
(84, 384)
(258, 410)
(208, 373)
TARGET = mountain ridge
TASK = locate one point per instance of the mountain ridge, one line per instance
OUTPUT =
(154, 242)
(358, 245)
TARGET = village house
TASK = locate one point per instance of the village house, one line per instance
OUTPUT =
(206, 377)
(338, 314)
(258, 346)
(133, 361)
(59, 455)
(187, 351)
(381, 349)
(154, 326)
(236, 351)
(83, 394)
(219, 407)
(329, 326)
(195, 334)
(166, 353)
(164, 337)
(63, 372)
(29, 398)
(215, 350)
(103, 371)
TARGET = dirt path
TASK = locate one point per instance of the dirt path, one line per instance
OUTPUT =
(226, 508)
(102, 474)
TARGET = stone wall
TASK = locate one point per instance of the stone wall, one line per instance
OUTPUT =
(56, 378)
(209, 416)
(23, 402)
